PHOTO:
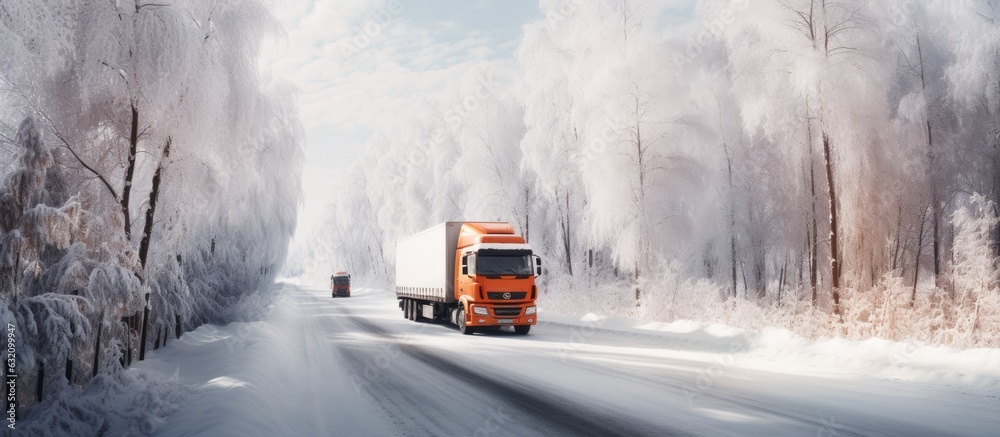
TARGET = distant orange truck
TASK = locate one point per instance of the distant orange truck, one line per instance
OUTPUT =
(478, 275)
(340, 285)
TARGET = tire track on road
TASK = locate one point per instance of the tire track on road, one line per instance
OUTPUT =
(564, 414)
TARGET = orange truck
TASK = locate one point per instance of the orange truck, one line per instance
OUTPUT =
(477, 275)
(340, 285)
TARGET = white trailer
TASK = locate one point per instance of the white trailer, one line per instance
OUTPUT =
(425, 264)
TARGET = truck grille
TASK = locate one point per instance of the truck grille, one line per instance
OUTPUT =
(516, 311)
(506, 295)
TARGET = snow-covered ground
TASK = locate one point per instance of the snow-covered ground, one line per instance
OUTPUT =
(355, 366)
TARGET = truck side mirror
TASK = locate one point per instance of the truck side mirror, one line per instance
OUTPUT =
(538, 266)
(465, 265)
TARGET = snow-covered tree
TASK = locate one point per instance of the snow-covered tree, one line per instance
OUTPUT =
(169, 174)
(976, 274)
(36, 229)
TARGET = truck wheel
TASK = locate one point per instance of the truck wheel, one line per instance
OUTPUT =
(461, 323)
(522, 329)
(413, 311)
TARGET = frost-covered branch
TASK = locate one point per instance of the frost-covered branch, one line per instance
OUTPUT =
(98, 175)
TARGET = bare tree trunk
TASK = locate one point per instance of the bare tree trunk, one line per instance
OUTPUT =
(732, 218)
(812, 240)
(527, 214)
(154, 194)
(641, 163)
(760, 272)
(835, 256)
(897, 243)
(145, 325)
(931, 165)
(916, 260)
(133, 150)
(97, 345)
(743, 271)
(732, 200)
(936, 224)
(803, 258)
(732, 260)
(814, 254)
(567, 242)
(781, 278)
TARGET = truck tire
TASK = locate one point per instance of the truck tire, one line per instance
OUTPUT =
(522, 329)
(466, 329)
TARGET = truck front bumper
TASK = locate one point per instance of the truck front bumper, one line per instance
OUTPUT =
(499, 320)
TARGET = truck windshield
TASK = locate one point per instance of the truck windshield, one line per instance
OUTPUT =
(341, 280)
(496, 265)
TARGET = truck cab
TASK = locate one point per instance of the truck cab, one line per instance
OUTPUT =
(495, 278)
(340, 285)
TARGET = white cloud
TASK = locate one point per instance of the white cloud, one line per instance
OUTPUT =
(392, 63)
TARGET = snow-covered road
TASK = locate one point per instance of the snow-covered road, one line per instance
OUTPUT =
(355, 366)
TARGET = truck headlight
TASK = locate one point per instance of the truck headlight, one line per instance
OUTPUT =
(481, 310)
(530, 310)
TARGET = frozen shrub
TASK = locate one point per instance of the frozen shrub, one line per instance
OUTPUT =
(975, 273)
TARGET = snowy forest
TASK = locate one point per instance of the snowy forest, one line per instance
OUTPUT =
(150, 177)
(828, 166)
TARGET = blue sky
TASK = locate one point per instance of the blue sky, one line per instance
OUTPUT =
(501, 19)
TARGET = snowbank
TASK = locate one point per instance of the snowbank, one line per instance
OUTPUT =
(770, 348)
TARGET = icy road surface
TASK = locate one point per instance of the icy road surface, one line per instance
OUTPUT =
(354, 366)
